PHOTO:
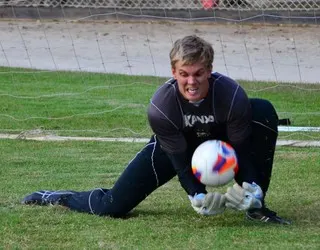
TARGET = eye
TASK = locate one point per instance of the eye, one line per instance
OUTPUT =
(199, 73)
(183, 74)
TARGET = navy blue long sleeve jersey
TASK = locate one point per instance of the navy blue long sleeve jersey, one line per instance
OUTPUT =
(180, 126)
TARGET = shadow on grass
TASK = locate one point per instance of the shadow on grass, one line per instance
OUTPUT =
(300, 216)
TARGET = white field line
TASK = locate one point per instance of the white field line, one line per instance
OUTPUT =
(293, 143)
(298, 129)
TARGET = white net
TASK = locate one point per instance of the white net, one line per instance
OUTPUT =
(173, 4)
(56, 40)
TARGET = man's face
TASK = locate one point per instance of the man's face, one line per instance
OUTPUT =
(192, 80)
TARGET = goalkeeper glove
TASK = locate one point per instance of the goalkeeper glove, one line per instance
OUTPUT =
(208, 204)
(243, 198)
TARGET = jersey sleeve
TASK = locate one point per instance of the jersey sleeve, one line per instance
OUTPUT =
(239, 117)
(166, 129)
(238, 131)
(166, 123)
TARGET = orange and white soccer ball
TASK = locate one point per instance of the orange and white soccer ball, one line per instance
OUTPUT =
(214, 163)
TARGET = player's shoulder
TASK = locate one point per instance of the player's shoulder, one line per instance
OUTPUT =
(165, 91)
(164, 107)
(223, 81)
(165, 96)
(224, 85)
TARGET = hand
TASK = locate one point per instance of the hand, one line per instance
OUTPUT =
(208, 204)
(243, 198)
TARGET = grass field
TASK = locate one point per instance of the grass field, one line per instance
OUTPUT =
(86, 104)
(165, 220)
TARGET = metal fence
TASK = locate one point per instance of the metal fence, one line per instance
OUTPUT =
(306, 5)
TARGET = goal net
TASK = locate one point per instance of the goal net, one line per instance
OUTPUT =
(89, 67)
(305, 5)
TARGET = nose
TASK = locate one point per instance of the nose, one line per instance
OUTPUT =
(191, 80)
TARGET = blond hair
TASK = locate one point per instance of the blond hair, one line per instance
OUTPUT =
(192, 49)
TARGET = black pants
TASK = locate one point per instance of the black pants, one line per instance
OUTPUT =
(151, 168)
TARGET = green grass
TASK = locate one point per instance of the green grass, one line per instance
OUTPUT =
(87, 104)
(65, 101)
(165, 220)
(111, 105)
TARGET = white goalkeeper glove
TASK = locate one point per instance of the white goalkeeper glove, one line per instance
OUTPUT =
(243, 198)
(208, 204)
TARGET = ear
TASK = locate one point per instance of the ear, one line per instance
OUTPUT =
(173, 71)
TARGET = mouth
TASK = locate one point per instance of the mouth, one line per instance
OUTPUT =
(192, 91)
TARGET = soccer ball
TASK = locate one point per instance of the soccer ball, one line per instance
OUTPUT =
(214, 163)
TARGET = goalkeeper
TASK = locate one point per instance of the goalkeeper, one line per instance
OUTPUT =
(193, 106)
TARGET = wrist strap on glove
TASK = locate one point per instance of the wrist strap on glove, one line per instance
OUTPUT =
(208, 204)
(243, 198)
